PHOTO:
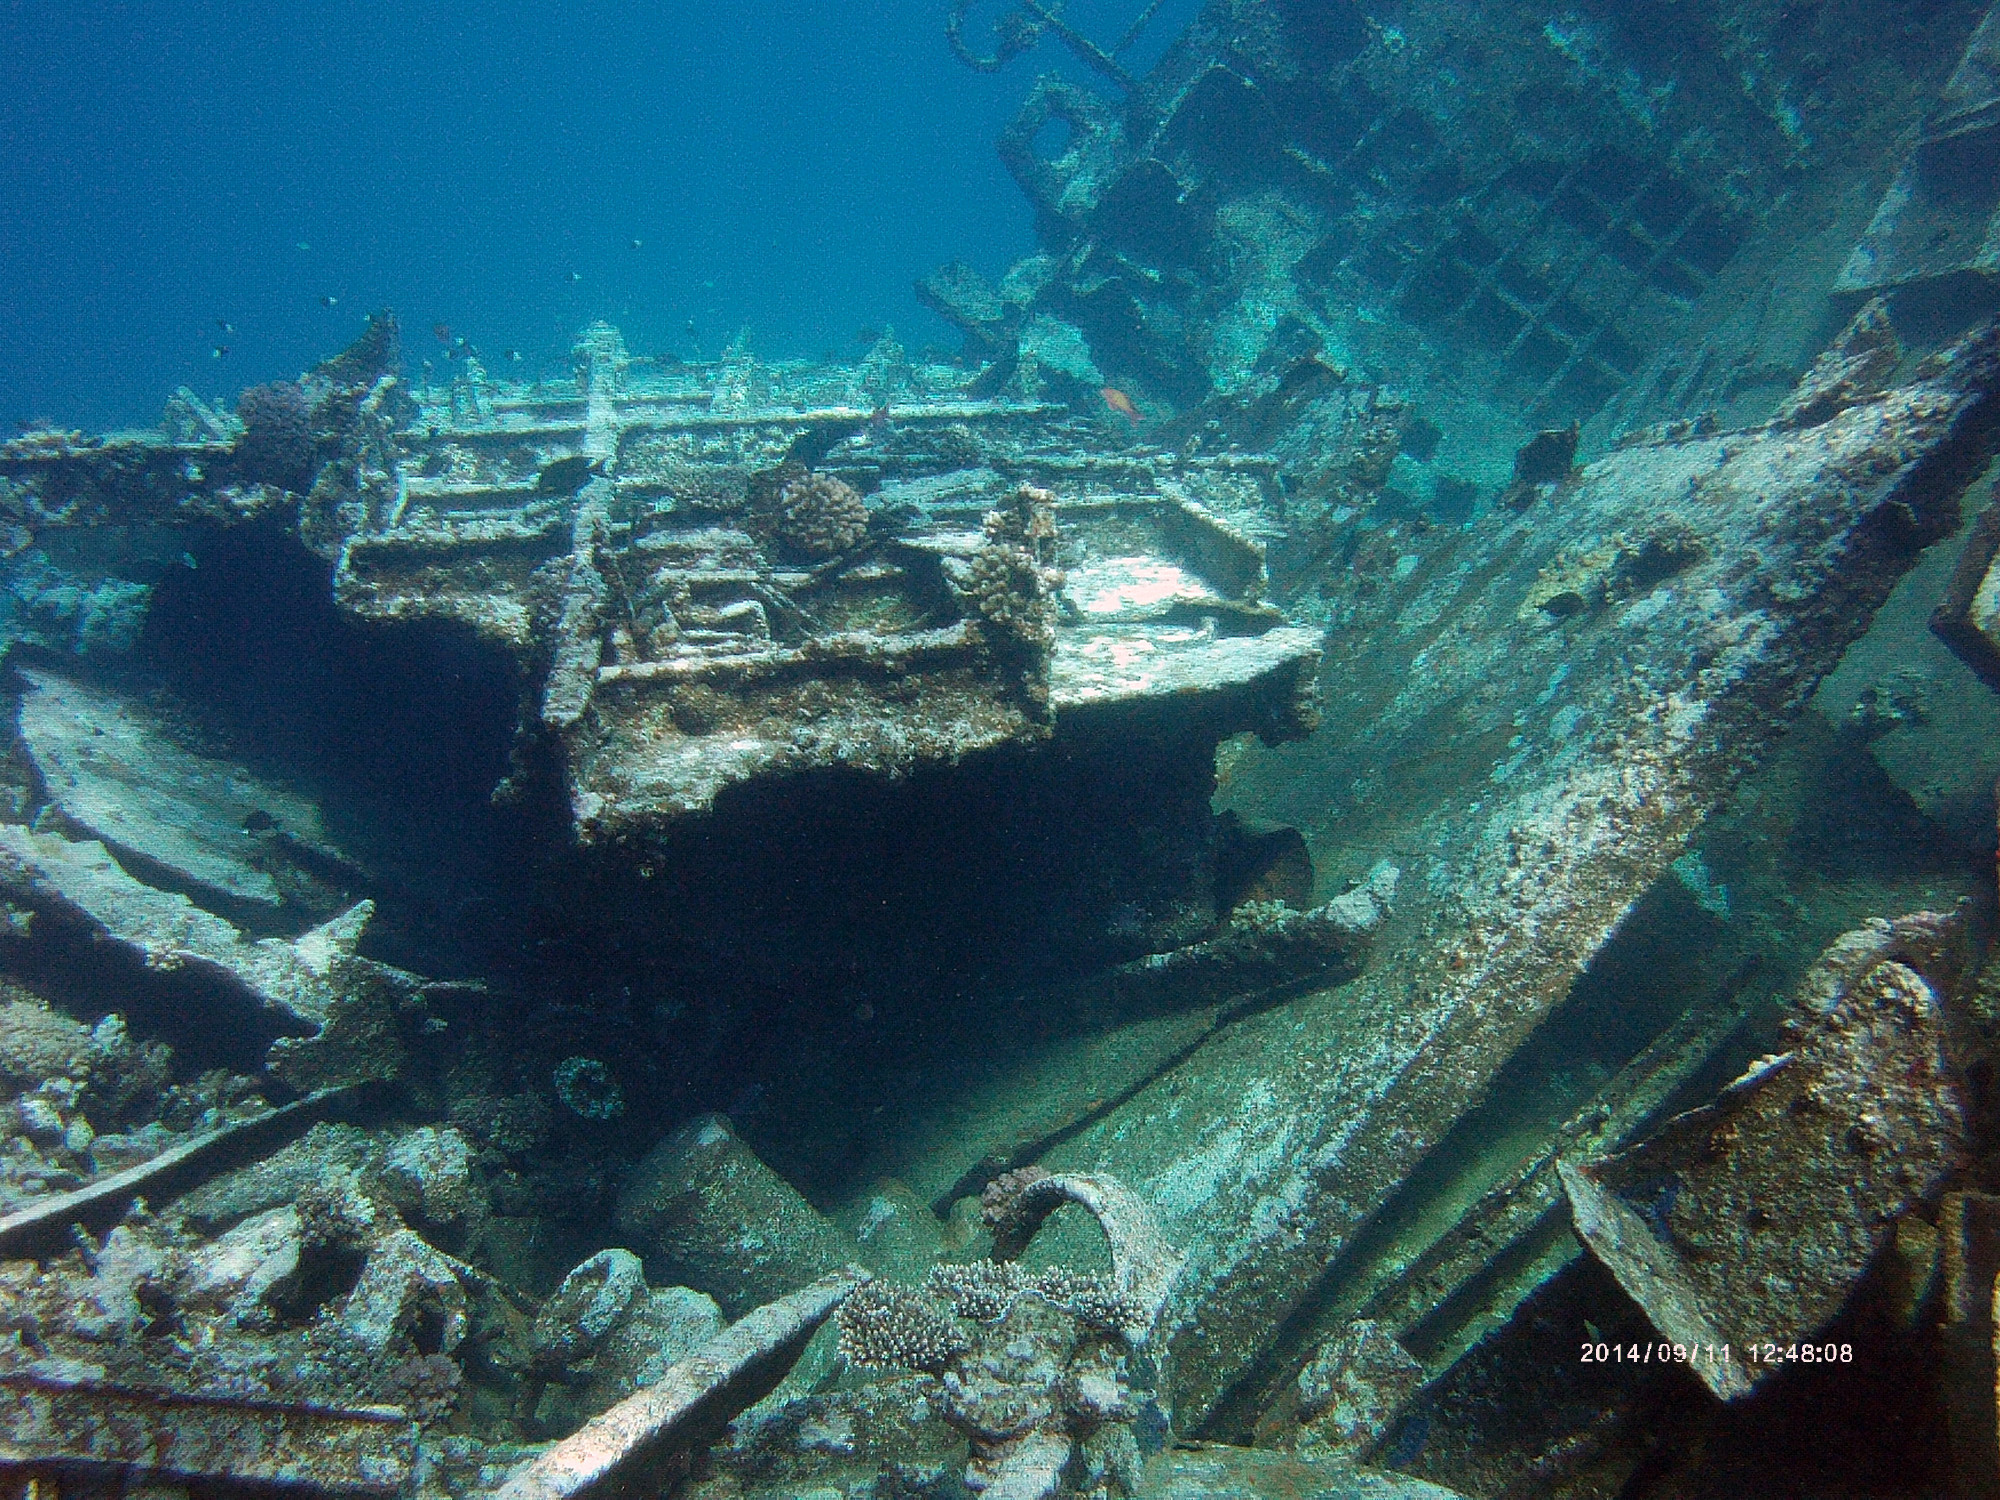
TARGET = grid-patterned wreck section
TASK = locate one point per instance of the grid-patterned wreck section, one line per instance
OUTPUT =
(1506, 187)
(1561, 269)
(1567, 275)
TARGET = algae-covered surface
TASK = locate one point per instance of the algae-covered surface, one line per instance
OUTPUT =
(1235, 748)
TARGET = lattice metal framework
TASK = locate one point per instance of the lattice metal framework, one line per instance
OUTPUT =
(1568, 274)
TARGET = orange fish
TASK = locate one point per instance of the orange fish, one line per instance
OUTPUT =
(1121, 403)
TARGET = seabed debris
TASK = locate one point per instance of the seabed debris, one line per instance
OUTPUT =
(1334, 861)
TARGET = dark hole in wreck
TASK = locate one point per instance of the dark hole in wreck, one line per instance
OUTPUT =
(794, 957)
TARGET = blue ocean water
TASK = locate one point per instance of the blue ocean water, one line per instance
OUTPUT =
(689, 170)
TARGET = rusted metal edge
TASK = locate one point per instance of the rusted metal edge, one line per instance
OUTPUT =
(1650, 1273)
(630, 1449)
(1952, 621)
(505, 531)
(44, 1229)
(151, 1435)
(1143, 1263)
(897, 653)
(637, 415)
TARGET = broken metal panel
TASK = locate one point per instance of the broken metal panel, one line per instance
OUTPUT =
(1534, 770)
(54, 1425)
(1440, 1288)
(650, 543)
(475, 569)
(1941, 216)
(113, 773)
(663, 741)
(298, 984)
(1554, 242)
(57, 479)
(1747, 1222)
(332, 1012)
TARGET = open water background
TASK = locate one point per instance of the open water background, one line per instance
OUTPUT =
(789, 167)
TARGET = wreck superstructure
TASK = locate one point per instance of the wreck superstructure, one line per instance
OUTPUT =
(654, 547)
(716, 623)
(1374, 730)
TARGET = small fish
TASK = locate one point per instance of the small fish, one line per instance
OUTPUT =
(638, 244)
(218, 351)
(303, 245)
(514, 356)
(575, 276)
(565, 476)
(867, 334)
(329, 301)
(225, 325)
(443, 332)
(878, 419)
(1121, 403)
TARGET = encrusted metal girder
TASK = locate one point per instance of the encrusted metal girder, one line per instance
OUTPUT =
(47, 1424)
(1534, 721)
(629, 1450)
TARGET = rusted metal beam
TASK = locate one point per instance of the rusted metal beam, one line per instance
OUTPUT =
(56, 1425)
(632, 1448)
(44, 1228)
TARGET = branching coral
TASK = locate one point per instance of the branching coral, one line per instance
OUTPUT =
(981, 1290)
(1144, 1265)
(1012, 579)
(1044, 1364)
(987, 1290)
(1091, 1300)
(885, 1327)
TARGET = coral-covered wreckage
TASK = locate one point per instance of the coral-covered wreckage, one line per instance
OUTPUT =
(1335, 861)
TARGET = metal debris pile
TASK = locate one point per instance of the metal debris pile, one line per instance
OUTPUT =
(1448, 890)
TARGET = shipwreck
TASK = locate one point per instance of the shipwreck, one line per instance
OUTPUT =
(1402, 910)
